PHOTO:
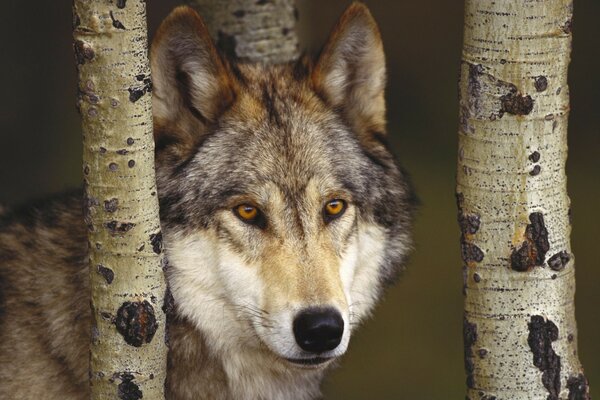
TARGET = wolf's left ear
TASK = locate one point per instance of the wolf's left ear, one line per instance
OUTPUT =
(350, 72)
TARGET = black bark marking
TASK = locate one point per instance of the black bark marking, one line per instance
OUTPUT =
(541, 83)
(469, 339)
(559, 261)
(131, 163)
(469, 223)
(471, 252)
(482, 353)
(541, 335)
(130, 141)
(568, 26)
(113, 166)
(115, 22)
(111, 205)
(533, 250)
(122, 152)
(578, 388)
(169, 310)
(83, 52)
(76, 21)
(136, 322)
(227, 43)
(535, 156)
(107, 273)
(239, 13)
(535, 171)
(136, 92)
(127, 389)
(118, 228)
(474, 96)
(476, 277)
(121, 3)
(156, 241)
(516, 104)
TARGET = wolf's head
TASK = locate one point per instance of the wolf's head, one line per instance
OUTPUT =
(283, 209)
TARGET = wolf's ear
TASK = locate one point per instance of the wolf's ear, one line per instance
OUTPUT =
(192, 85)
(350, 72)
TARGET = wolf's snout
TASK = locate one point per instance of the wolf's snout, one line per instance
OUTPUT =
(318, 329)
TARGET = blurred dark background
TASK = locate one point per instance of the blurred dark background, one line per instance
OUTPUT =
(412, 349)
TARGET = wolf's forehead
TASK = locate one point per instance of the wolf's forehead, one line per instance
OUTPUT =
(278, 132)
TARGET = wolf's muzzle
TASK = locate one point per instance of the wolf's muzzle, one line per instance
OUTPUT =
(318, 329)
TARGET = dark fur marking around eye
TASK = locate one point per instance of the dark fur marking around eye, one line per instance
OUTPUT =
(258, 221)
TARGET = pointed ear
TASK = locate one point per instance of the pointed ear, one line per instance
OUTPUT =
(350, 72)
(192, 85)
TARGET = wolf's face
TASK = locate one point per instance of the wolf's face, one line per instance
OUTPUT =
(283, 210)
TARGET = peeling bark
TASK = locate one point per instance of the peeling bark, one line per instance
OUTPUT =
(252, 30)
(513, 204)
(128, 350)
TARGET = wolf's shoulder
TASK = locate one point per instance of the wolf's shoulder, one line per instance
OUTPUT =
(42, 246)
(42, 242)
(44, 312)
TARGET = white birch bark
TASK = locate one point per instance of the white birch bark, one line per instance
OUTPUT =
(128, 350)
(520, 330)
(252, 30)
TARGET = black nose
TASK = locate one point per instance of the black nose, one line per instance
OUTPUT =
(318, 329)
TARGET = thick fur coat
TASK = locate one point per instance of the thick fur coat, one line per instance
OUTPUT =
(278, 194)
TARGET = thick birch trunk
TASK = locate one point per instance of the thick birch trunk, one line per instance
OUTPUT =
(252, 30)
(520, 331)
(128, 350)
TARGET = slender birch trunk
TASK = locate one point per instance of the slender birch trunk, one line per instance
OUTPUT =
(128, 350)
(519, 327)
(252, 30)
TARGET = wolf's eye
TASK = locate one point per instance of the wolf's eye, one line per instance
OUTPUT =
(249, 214)
(334, 209)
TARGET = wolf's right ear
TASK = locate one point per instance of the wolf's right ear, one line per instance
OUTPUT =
(192, 85)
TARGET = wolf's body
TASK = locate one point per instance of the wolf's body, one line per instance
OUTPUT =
(300, 146)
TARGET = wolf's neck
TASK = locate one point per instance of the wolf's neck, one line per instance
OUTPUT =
(197, 372)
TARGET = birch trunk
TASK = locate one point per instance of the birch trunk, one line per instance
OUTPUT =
(128, 350)
(252, 30)
(519, 327)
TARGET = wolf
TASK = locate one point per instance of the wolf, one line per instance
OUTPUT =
(284, 215)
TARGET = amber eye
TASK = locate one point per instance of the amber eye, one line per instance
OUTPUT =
(334, 209)
(249, 214)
